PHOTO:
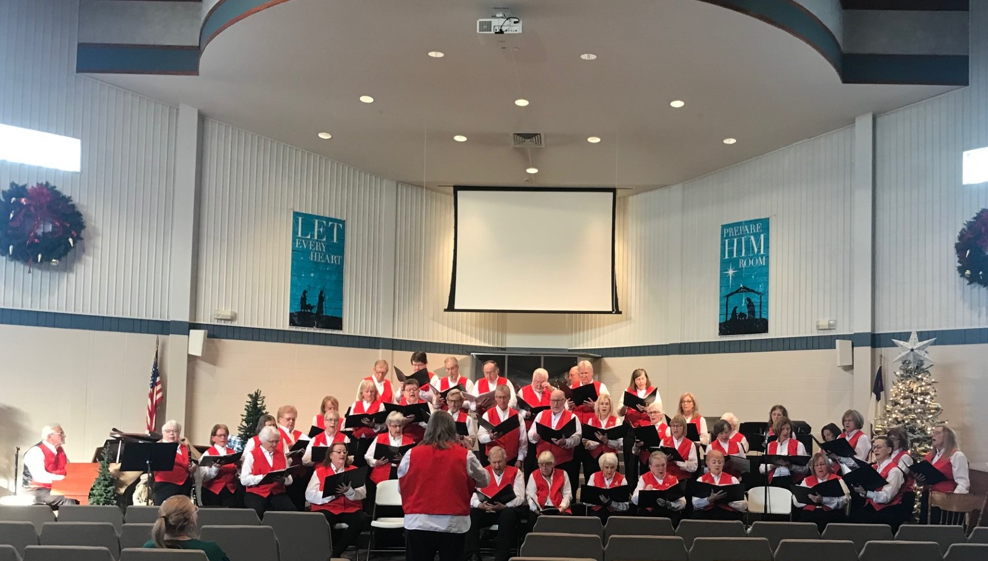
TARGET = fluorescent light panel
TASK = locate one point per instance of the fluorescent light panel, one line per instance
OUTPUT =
(36, 148)
(975, 167)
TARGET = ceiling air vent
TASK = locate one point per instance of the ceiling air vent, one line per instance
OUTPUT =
(527, 140)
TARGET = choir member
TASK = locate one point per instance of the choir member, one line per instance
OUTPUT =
(419, 361)
(345, 505)
(774, 414)
(265, 420)
(782, 473)
(736, 435)
(677, 439)
(267, 457)
(382, 469)
(853, 422)
(179, 480)
(379, 376)
(486, 514)
(514, 443)
(725, 444)
(900, 454)
(547, 487)
(656, 478)
(177, 527)
(287, 414)
(535, 394)
(829, 432)
(584, 410)
(328, 403)
(603, 418)
(438, 525)
(573, 376)
(451, 379)
(332, 435)
(368, 403)
(219, 483)
(712, 507)
(883, 506)
(641, 387)
(605, 478)
(410, 396)
(44, 463)
(657, 419)
(951, 462)
(491, 380)
(690, 410)
(454, 399)
(562, 448)
(821, 510)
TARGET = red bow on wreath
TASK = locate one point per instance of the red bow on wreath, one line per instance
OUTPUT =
(40, 204)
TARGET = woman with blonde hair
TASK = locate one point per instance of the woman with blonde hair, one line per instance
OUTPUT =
(177, 528)
(690, 410)
(951, 462)
(603, 418)
(329, 403)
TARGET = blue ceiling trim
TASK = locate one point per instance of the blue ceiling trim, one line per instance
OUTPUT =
(108, 58)
(943, 70)
(908, 5)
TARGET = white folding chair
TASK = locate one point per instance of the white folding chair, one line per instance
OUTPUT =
(388, 497)
(770, 500)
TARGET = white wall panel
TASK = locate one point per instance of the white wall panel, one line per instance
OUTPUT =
(423, 268)
(250, 186)
(124, 189)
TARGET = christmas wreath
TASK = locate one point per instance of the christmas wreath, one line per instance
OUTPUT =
(38, 224)
(971, 246)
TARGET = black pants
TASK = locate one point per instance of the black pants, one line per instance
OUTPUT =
(531, 461)
(507, 530)
(43, 496)
(589, 463)
(296, 491)
(894, 516)
(630, 459)
(422, 545)
(164, 491)
(225, 498)
(821, 517)
(572, 469)
(717, 513)
(280, 502)
(348, 537)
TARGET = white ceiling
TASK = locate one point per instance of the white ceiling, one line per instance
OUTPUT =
(298, 68)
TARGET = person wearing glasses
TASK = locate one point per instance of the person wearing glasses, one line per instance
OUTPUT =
(548, 488)
(883, 506)
(266, 458)
(179, 480)
(331, 435)
(658, 479)
(561, 448)
(345, 505)
(820, 510)
(44, 463)
(219, 483)
(690, 410)
(951, 462)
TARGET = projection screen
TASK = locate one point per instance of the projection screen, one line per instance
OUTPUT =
(533, 250)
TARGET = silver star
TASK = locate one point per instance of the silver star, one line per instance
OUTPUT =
(914, 350)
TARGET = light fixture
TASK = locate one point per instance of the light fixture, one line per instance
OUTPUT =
(367, 99)
(325, 135)
(593, 139)
(532, 170)
(677, 103)
(974, 166)
(588, 56)
(730, 140)
(42, 149)
(460, 138)
(437, 54)
(521, 102)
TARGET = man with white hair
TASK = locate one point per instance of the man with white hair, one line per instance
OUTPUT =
(44, 463)
(535, 395)
(556, 417)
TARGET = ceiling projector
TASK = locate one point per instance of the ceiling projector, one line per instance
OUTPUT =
(499, 24)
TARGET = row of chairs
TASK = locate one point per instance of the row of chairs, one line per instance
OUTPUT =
(42, 514)
(674, 548)
(79, 553)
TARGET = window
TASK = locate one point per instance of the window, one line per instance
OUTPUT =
(36, 148)
(975, 166)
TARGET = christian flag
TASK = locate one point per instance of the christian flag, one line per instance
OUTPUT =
(879, 388)
(155, 393)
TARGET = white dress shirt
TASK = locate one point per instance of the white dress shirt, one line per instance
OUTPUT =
(783, 450)
(593, 444)
(700, 503)
(448, 523)
(211, 472)
(313, 491)
(570, 442)
(475, 391)
(601, 391)
(678, 504)
(248, 479)
(886, 493)
(532, 492)
(702, 430)
(462, 381)
(958, 463)
(392, 441)
(691, 462)
(484, 435)
(34, 461)
(518, 486)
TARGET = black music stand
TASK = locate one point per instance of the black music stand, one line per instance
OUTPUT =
(148, 457)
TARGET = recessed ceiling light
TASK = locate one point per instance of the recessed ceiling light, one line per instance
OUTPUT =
(588, 56)
(593, 139)
(367, 99)
(677, 103)
(521, 102)
(730, 140)
(460, 138)
(437, 54)
(325, 135)
(532, 170)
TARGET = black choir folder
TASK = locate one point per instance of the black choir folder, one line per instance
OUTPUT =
(832, 488)
(393, 453)
(865, 476)
(596, 495)
(703, 490)
(364, 420)
(931, 474)
(674, 455)
(319, 453)
(692, 433)
(315, 431)
(462, 429)
(444, 393)
(355, 478)
(207, 461)
(632, 401)
(504, 496)
(549, 434)
(420, 376)
(506, 426)
(769, 459)
(533, 410)
(613, 433)
(297, 449)
(840, 447)
(652, 496)
(649, 437)
(418, 411)
(273, 476)
(580, 394)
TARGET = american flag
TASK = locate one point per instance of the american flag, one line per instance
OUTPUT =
(155, 394)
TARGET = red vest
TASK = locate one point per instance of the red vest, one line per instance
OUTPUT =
(725, 479)
(908, 483)
(668, 481)
(319, 421)
(733, 446)
(544, 492)
(594, 422)
(663, 430)
(561, 454)
(507, 480)
(322, 439)
(483, 386)
(597, 480)
(792, 448)
(737, 438)
(528, 394)
(582, 411)
(289, 439)
(383, 473)
(632, 415)
(227, 476)
(340, 504)
(261, 467)
(414, 431)
(507, 441)
(885, 474)
(387, 395)
(178, 474)
(812, 481)
(684, 450)
(427, 465)
(695, 421)
(358, 409)
(944, 466)
(55, 463)
(853, 441)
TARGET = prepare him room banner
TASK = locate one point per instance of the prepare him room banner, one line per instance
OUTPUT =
(317, 271)
(744, 251)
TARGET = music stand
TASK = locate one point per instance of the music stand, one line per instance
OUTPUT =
(148, 457)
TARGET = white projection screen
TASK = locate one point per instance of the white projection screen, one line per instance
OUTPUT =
(533, 250)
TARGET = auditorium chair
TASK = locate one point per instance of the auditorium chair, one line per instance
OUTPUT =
(139, 554)
(8, 553)
(302, 536)
(88, 513)
(637, 526)
(141, 514)
(945, 536)
(645, 548)
(775, 532)
(244, 543)
(66, 553)
(979, 535)
(539, 544)
(569, 525)
(730, 549)
(35, 514)
(90, 534)
(883, 550)
(18, 535)
(550, 559)
(228, 517)
(816, 550)
(692, 529)
(857, 533)
(134, 535)
(967, 552)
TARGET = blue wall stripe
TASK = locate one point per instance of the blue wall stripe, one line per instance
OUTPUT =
(107, 58)
(946, 70)
(31, 318)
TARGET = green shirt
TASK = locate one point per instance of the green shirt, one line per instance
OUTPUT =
(213, 551)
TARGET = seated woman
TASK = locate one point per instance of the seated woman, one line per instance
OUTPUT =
(345, 505)
(267, 457)
(606, 478)
(723, 443)
(368, 403)
(179, 480)
(951, 462)
(603, 418)
(690, 411)
(548, 488)
(219, 483)
(454, 401)
(677, 440)
(265, 420)
(329, 403)
(883, 506)
(332, 435)
(822, 510)
(735, 435)
(177, 528)
(782, 473)
(657, 419)
(384, 469)
(712, 507)
(658, 479)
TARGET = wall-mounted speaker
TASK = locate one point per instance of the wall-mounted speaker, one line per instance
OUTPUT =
(197, 340)
(845, 353)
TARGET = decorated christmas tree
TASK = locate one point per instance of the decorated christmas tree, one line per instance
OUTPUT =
(912, 402)
(103, 491)
(248, 421)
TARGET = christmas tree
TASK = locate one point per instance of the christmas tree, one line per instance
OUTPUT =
(252, 412)
(912, 403)
(103, 491)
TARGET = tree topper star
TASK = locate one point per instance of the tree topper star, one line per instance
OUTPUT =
(914, 350)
